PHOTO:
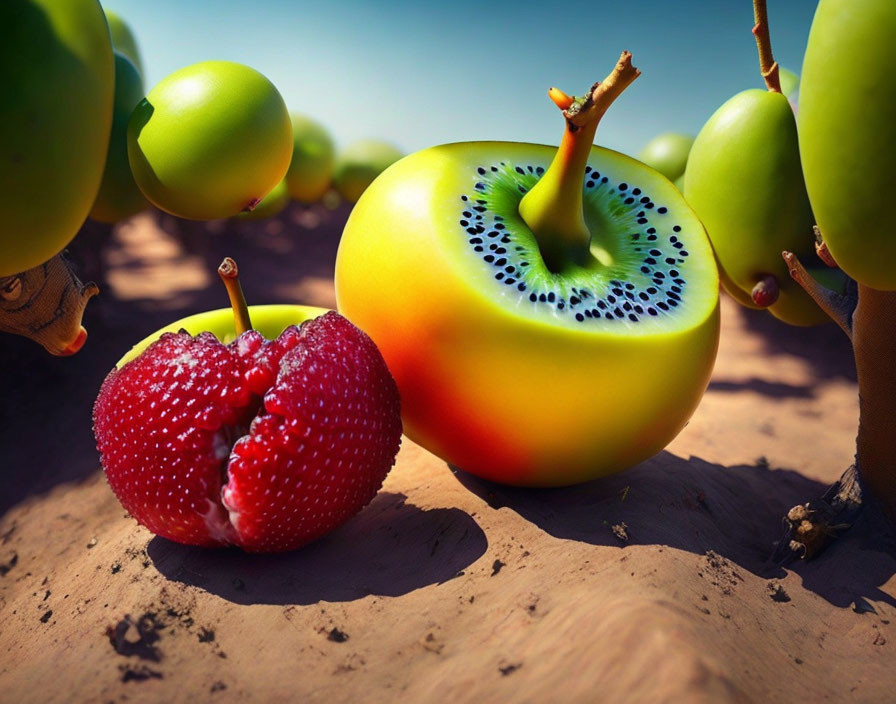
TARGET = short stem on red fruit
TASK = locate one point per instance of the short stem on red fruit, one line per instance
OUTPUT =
(767, 64)
(229, 273)
(553, 208)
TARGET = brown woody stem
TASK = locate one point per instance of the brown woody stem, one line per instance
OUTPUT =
(838, 307)
(821, 249)
(873, 340)
(868, 316)
(230, 273)
(552, 209)
(767, 64)
(592, 108)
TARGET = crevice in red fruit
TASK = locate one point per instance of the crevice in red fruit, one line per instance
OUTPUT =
(225, 439)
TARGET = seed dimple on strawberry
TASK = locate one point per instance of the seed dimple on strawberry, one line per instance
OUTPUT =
(196, 455)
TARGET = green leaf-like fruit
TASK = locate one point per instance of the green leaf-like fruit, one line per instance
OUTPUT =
(119, 197)
(210, 140)
(57, 73)
(359, 164)
(507, 368)
(847, 126)
(123, 40)
(667, 153)
(311, 169)
(745, 181)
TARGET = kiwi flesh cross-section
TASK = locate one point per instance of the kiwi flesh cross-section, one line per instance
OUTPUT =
(534, 344)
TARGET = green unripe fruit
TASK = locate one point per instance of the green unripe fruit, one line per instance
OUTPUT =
(359, 164)
(667, 153)
(790, 82)
(311, 169)
(123, 40)
(272, 204)
(56, 69)
(745, 182)
(119, 197)
(847, 125)
(210, 140)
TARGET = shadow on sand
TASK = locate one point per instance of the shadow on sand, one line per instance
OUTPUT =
(391, 548)
(690, 504)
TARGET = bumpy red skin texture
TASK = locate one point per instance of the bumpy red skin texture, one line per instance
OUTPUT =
(330, 434)
(322, 440)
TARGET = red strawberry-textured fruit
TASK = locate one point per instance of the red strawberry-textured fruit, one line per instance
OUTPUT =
(264, 445)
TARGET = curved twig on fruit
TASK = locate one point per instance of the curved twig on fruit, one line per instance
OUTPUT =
(553, 208)
(597, 102)
(230, 273)
(767, 64)
(838, 307)
(821, 249)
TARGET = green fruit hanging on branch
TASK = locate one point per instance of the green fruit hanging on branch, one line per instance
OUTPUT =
(668, 154)
(745, 181)
(359, 164)
(210, 141)
(119, 197)
(57, 73)
(847, 125)
(123, 40)
(310, 172)
(550, 315)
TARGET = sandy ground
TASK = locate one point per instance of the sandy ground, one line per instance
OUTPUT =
(654, 585)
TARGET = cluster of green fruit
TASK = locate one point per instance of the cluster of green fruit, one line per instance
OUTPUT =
(185, 149)
(765, 168)
(212, 140)
(184, 146)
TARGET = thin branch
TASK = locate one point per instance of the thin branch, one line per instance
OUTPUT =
(767, 64)
(821, 249)
(838, 307)
(603, 93)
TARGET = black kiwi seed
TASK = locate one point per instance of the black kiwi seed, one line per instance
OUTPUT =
(614, 300)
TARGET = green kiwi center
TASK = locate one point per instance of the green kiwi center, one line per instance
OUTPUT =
(638, 264)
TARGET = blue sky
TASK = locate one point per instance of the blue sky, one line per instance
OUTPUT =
(418, 74)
